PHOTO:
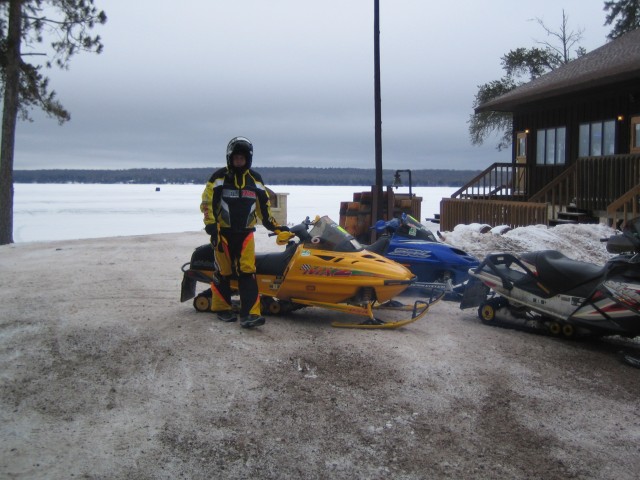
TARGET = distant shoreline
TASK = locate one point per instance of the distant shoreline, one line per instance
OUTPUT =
(271, 175)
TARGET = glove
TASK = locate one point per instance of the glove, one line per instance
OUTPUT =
(281, 228)
(284, 237)
(212, 229)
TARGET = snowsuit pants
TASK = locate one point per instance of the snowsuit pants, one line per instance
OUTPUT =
(236, 254)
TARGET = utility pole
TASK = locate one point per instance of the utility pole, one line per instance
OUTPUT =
(378, 203)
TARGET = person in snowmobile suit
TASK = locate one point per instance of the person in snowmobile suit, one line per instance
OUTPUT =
(233, 200)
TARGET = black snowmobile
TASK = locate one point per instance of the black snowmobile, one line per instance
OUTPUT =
(549, 291)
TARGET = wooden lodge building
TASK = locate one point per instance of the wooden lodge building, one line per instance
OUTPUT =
(576, 147)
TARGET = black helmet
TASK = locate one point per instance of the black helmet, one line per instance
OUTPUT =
(240, 145)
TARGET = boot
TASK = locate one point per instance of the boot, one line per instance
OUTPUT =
(227, 316)
(250, 321)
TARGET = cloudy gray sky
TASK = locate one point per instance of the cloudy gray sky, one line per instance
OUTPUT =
(177, 80)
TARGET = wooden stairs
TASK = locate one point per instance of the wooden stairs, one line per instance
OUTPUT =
(573, 215)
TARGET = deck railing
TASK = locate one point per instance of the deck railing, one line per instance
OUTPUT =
(454, 211)
(600, 181)
(495, 182)
(594, 184)
(559, 193)
(591, 183)
(624, 208)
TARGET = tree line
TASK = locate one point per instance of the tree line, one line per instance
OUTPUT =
(271, 176)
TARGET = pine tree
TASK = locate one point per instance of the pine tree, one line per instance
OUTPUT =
(26, 23)
(625, 14)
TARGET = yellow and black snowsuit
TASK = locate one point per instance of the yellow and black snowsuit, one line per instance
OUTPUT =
(232, 203)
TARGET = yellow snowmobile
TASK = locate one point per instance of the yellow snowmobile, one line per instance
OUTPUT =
(326, 267)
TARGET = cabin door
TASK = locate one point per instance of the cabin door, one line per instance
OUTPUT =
(520, 184)
(635, 135)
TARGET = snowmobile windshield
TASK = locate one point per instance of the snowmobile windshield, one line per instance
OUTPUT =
(628, 242)
(412, 228)
(633, 227)
(328, 235)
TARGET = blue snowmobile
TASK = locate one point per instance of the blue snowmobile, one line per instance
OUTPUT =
(413, 245)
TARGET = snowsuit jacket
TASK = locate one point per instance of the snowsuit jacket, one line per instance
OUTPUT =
(236, 200)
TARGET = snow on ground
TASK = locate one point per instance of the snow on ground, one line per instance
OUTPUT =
(579, 242)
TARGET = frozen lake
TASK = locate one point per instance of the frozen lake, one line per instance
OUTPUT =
(45, 212)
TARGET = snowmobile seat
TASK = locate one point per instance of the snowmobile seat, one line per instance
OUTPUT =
(380, 246)
(274, 263)
(203, 258)
(560, 274)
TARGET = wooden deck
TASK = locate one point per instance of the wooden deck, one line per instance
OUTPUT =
(608, 186)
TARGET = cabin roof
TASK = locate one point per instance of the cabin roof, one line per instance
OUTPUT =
(616, 61)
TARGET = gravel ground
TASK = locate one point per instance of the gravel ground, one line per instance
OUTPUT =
(104, 374)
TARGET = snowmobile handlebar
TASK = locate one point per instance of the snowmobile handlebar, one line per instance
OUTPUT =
(300, 231)
(626, 243)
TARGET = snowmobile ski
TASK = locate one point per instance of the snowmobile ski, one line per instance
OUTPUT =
(630, 359)
(418, 310)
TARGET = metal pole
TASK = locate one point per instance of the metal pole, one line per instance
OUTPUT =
(378, 113)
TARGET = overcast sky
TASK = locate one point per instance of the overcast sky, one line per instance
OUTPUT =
(177, 80)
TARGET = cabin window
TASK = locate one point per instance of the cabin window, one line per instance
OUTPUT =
(635, 134)
(551, 146)
(597, 138)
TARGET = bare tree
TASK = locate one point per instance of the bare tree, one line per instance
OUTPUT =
(520, 66)
(564, 40)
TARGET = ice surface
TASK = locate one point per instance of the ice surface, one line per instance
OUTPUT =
(45, 212)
